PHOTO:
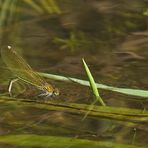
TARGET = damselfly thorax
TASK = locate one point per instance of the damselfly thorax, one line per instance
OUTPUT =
(23, 71)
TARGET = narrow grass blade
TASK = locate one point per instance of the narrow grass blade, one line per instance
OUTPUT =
(94, 89)
(46, 6)
(50, 6)
(54, 6)
(127, 91)
(34, 6)
(93, 84)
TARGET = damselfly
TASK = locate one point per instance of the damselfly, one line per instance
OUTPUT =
(24, 72)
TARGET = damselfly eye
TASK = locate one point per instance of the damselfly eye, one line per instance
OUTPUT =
(56, 92)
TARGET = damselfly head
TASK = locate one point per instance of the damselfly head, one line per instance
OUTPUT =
(56, 92)
(50, 90)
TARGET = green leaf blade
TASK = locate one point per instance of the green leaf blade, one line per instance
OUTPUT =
(93, 84)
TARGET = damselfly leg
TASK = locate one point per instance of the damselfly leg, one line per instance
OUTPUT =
(10, 86)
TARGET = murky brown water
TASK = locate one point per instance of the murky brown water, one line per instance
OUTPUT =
(111, 36)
